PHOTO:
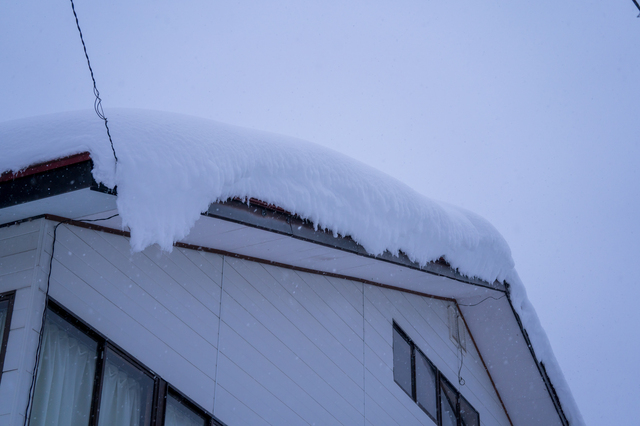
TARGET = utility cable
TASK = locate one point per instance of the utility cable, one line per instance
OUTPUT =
(637, 5)
(97, 103)
(461, 381)
(484, 300)
(44, 313)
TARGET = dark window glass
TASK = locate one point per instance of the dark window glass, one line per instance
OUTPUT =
(402, 362)
(179, 414)
(421, 380)
(6, 306)
(468, 414)
(426, 387)
(448, 404)
(4, 311)
(126, 394)
(66, 371)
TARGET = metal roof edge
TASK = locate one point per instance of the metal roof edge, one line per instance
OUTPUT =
(541, 368)
(257, 215)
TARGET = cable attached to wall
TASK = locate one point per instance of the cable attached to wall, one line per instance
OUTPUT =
(637, 5)
(484, 300)
(34, 375)
(461, 381)
(97, 103)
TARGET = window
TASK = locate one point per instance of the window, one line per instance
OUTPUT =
(427, 386)
(6, 308)
(179, 412)
(85, 380)
(402, 361)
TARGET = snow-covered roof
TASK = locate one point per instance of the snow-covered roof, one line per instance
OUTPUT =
(171, 167)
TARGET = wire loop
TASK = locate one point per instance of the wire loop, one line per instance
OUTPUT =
(97, 103)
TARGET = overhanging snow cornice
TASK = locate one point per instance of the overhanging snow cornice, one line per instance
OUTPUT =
(73, 173)
(67, 189)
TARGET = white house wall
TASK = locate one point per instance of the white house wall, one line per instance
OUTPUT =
(161, 308)
(22, 268)
(294, 347)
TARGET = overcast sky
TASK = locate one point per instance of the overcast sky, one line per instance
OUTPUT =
(524, 112)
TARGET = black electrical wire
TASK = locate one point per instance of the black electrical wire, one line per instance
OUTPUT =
(44, 313)
(637, 5)
(461, 381)
(97, 103)
(484, 300)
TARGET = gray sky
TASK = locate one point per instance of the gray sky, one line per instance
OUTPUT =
(524, 112)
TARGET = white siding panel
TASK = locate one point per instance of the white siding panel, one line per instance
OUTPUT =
(298, 355)
(303, 373)
(234, 411)
(209, 264)
(308, 319)
(351, 291)
(295, 388)
(19, 243)
(349, 335)
(17, 262)
(16, 280)
(241, 385)
(160, 278)
(21, 228)
(342, 309)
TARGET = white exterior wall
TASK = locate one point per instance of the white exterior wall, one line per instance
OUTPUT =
(23, 268)
(425, 320)
(295, 348)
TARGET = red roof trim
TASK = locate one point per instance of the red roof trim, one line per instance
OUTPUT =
(48, 165)
(260, 203)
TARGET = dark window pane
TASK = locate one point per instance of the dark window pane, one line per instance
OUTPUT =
(468, 414)
(426, 387)
(178, 414)
(4, 310)
(448, 404)
(66, 372)
(127, 393)
(402, 362)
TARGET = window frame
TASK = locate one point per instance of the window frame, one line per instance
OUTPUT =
(161, 388)
(9, 297)
(187, 402)
(440, 380)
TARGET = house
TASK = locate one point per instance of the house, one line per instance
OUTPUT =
(240, 278)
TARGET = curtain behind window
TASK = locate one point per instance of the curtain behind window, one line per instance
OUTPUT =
(3, 318)
(178, 414)
(448, 404)
(126, 394)
(66, 371)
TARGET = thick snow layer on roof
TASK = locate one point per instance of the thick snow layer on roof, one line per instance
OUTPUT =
(171, 167)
